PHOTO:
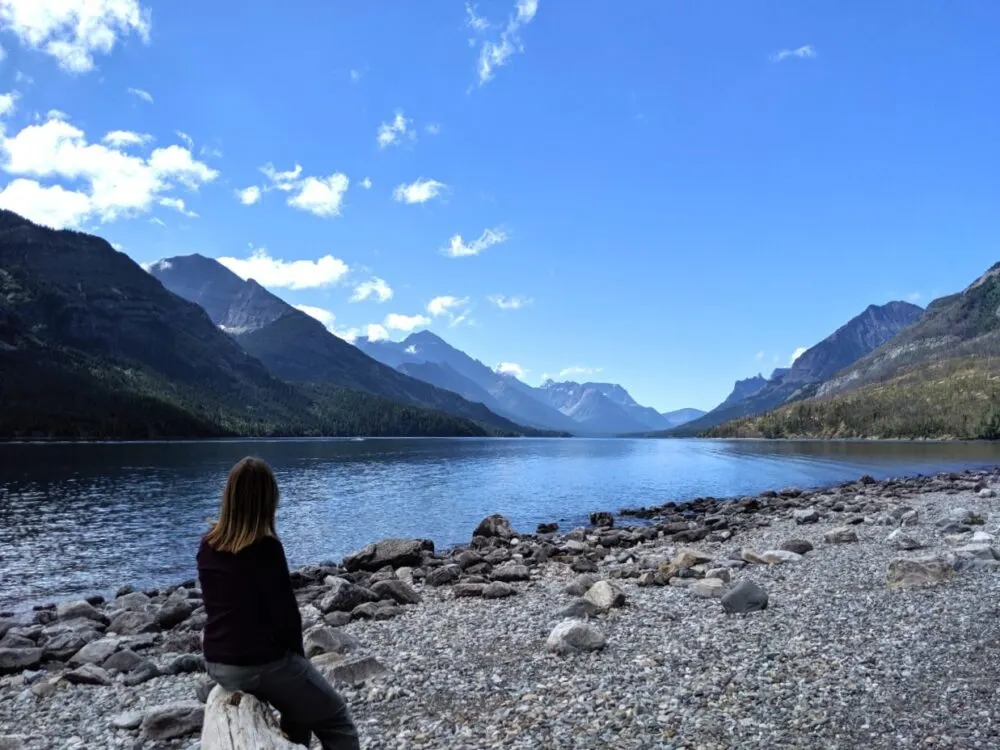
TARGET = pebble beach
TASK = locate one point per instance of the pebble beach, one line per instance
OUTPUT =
(861, 615)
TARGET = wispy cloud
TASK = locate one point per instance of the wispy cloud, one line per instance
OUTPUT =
(759, 356)
(324, 316)
(366, 183)
(509, 303)
(805, 52)
(375, 288)
(185, 137)
(418, 191)
(405, 323)
(392, 133)
(142, 94)
(446, 304)
(458, 248)
(798, 353)
(321, 196)
(177, 204)
(123, 138)
(287, 274)
(914, 297)
(511, 368)
(356, 75)
(576, 371)
(8, 103)
(433, 129)
(248, 195)
(475, 21)
(496, 53)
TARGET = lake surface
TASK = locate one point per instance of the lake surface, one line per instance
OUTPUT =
(85, 518)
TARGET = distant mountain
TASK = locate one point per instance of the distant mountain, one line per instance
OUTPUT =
(937, 378)
(647, 416)
(588, 406)
(508, 396)
(296, 347)
(92, 346)
(682, 416)
(856, 338)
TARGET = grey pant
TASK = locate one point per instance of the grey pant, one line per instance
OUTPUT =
(308, 704)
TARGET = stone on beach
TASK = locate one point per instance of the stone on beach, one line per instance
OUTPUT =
(394, 553)
(708, 588)
(902, 541)
(495, 526)
(344, 596)
(929, 570)
(806, 515)
(840, 535)
(798, 546)
(18, 659)
(398, 591)
(71, 610)
(779, 556)
(605, 596)
(574, 635)
(745, 596)
(173, 720)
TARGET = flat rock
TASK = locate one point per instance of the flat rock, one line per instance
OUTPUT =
(394, 553)
(779, 556)
(923, 571)
(398, 591)
(570, 636)
(798, 546)
(323, 639)
(467, 590)
(173, 720)
(805, 515)
(144, 672)
(840, 535)
(122, 661)
(95, 652)
(509, 573)
(581, 584)
(88, 674)
(344, 596)
(498, 590)
(127, 720)
(135, 601)
(708, 588)
(443, 576)
(173, 613)
(900, 540)
(356, 671)
(131, 622)
(81, 608)
(579, 609)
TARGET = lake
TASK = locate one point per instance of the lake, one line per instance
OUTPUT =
(85, 518)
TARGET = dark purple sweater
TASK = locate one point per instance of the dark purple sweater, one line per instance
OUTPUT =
(253, 617)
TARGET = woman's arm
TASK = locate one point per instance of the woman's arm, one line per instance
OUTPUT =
(284, 609)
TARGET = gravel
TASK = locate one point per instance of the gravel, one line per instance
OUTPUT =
(836, 660)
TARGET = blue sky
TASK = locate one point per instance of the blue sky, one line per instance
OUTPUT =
(669, 195)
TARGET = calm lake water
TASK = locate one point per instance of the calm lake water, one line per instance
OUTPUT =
(84, 518)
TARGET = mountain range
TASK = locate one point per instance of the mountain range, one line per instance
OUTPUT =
(860, 336)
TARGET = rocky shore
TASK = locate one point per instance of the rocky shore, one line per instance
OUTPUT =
(861, 615)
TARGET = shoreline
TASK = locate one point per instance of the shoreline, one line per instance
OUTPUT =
(450, 648)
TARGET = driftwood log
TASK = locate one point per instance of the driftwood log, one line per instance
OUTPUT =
(238, 721)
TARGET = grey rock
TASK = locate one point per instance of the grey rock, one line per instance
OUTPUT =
(130, 622)
(337, 619)
(495, 526)
(13, 640)
(901, 541)
(398, 591)
(18, 659)
(185, 664)
(353, 672)
(745, 596)
(173, 613)
(922, 571)
(182, 642)
(571, 636)
(805, 515)
(841, 535)
(344, 596)
(366, 611)
(583, 565)
(708, 588)
(605, 596)
(509, 573)
(13, 741)
(122, 661)
(72, 610)
(395, 553)
(323, 639)
(498, 590)
(61, 647)
(204, 688)
(579, 609)
(581, 584)
(173, 720)
(135, 601)
(128, 720)
(142, 673)
(466, 590)
(798, 546)
(95, 652)
(443, 575)
(88, 674)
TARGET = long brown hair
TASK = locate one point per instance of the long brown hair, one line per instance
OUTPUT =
(248, 505)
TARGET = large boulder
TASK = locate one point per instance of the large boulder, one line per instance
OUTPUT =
(81, 608)
(745, 596)
(798, 546)
(605, 596)
(398, 591)
(234, 721)
(353, 671)
(840, 535)
(95, 652)
(326, 640)
(921, 571)
(173, 613)
(510, 572)
(570, 636)
(130, 622)
(395, 553)
(496, 526)
(62, 646)
(344, 596)
(443, 575)
(708, 588)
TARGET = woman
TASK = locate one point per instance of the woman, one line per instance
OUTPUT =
(253, 634)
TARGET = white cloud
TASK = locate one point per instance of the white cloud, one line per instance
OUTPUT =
(118, 184)
(24, 78)
(509, 303)
(376, 332)
(575, 371)
(457, 248)
(759, 355)
(511, 368)
(391, 133)
(355, 75)
(804, 52)
(293, 274)
(185, 137)
(366, 183)
(8, 103)
(433, 129)
(142, 94)
(52, 206)
(326, 317)
(248, 195)
(159, 222)
(497, 53)
(116, 138)
(178, 205)
(57, 114)
(285, 181)
(473, 20)
(418, 191)
(446, 304)
(322, 196)
(373, 288)
(73, 31)
(405, 323)
(798, 353)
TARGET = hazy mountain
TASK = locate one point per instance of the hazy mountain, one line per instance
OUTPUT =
(93, 346)
(647, 416)
(588, 406)
(682, 416)
(856, 338)
(296, 347)
(509, 396)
